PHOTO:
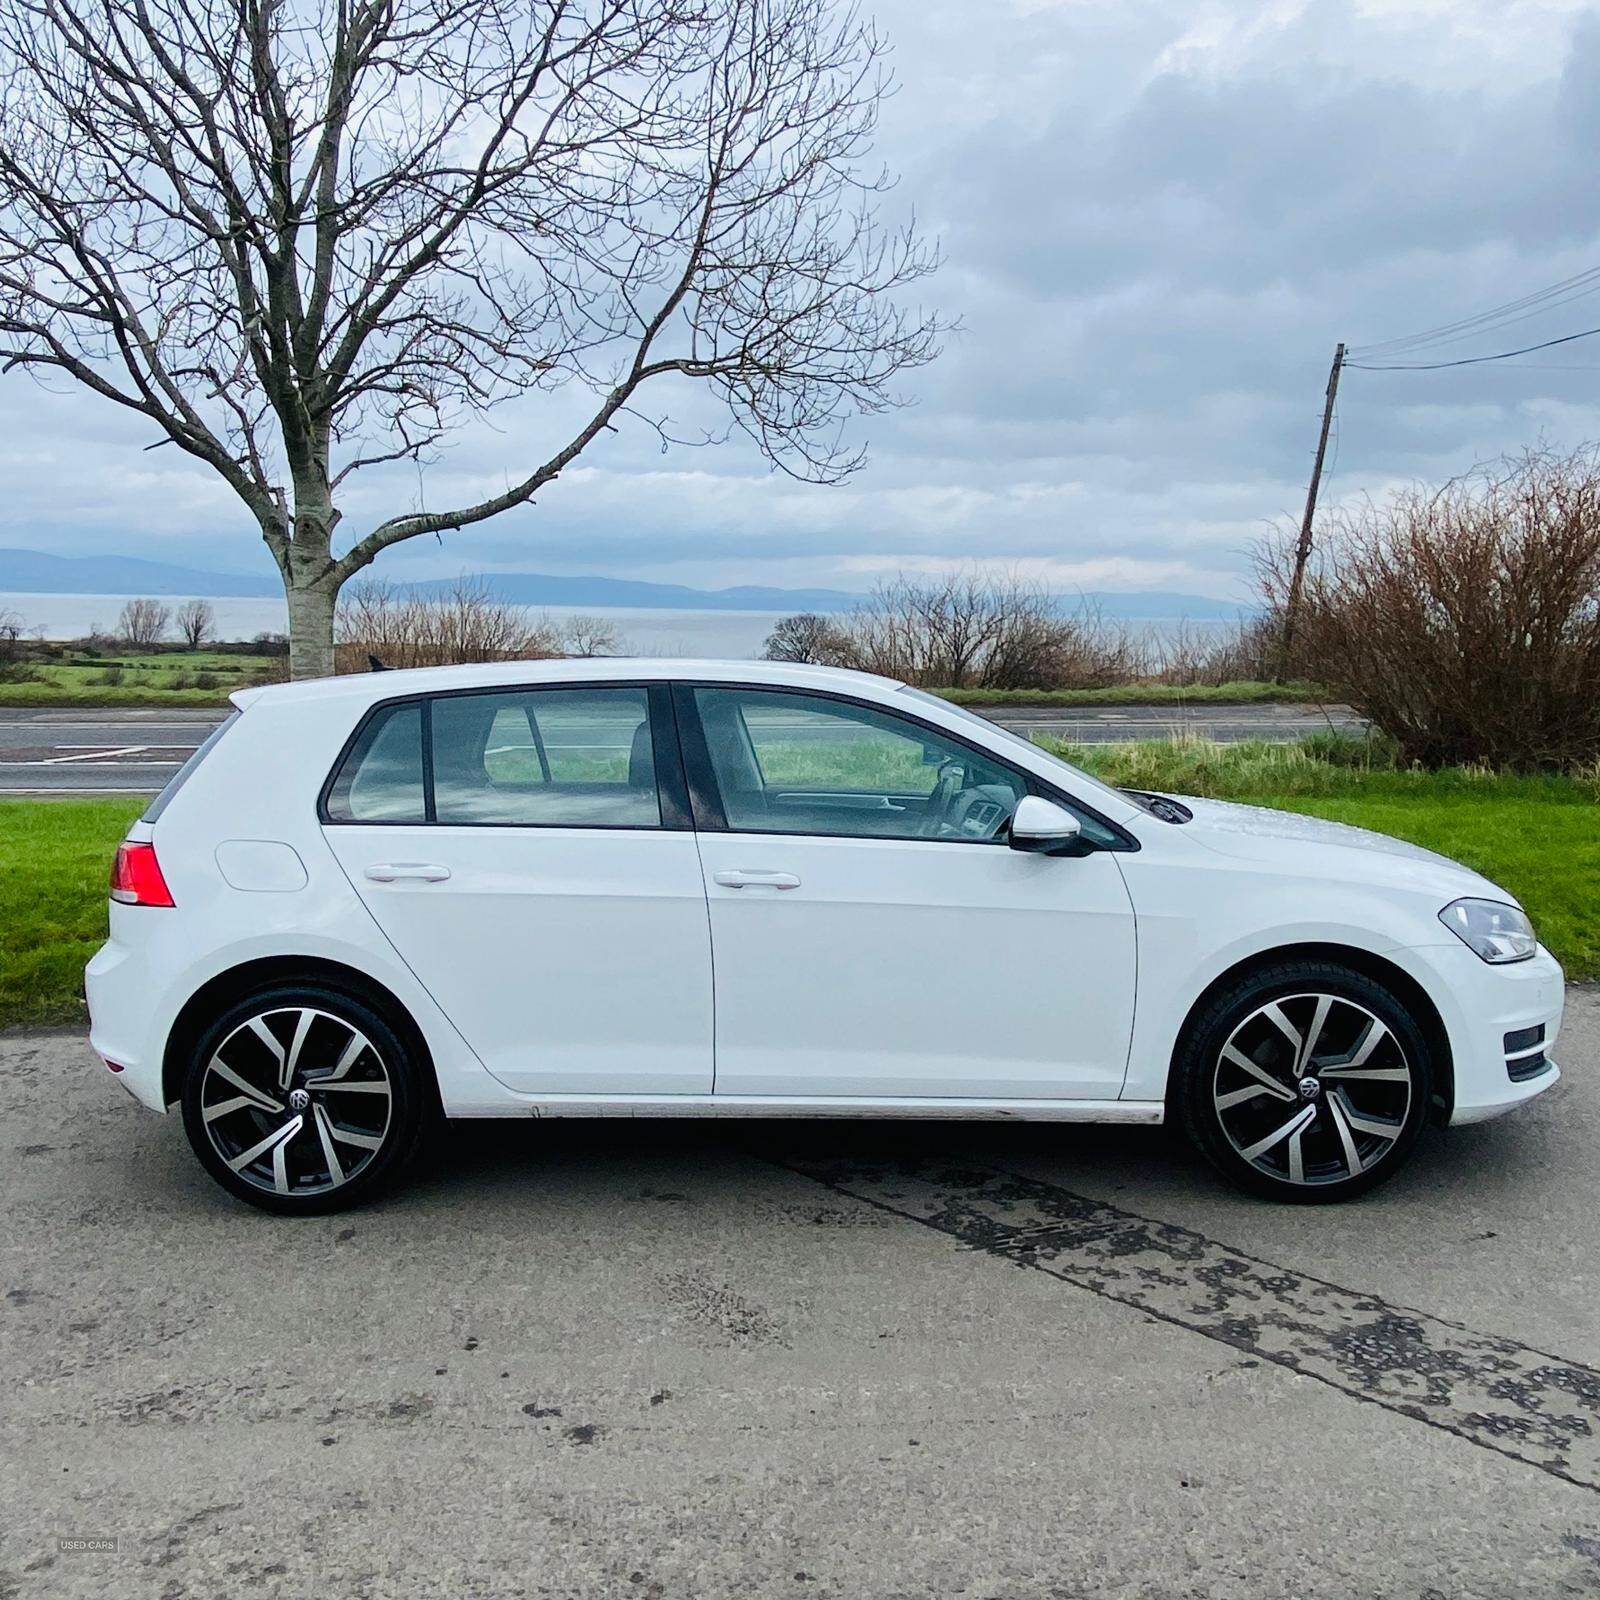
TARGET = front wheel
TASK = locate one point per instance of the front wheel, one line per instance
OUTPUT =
(302, 1100)
(1304, 1082)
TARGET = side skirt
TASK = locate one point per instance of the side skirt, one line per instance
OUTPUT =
(1147, 1112)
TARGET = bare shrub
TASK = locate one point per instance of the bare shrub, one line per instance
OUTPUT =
(1465, 621)
(976, 631)
(1245, 651)
(11, 626)
(196, 622)
(401, 629)
(143, 623)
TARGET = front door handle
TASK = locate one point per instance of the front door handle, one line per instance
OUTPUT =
(756, 880)
(395, 871)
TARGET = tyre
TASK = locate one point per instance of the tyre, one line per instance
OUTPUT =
(301, 1100)
(1304, 1082)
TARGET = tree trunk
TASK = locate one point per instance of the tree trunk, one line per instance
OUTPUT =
(311, 629)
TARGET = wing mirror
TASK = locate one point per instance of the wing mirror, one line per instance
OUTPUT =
(1046, 829)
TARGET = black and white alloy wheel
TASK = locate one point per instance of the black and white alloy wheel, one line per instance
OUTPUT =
(301, 1100)
(1305, 1083)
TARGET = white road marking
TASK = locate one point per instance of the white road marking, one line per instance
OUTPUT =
(93, 755)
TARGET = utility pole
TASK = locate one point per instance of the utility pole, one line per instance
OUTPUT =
(1302, 549)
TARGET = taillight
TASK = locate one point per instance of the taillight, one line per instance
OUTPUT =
(136, 876)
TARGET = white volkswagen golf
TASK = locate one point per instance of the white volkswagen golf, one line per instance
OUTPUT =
(657, 888)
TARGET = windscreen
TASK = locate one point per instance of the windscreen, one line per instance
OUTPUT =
(1088, 781)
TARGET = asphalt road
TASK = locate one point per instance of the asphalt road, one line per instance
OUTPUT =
(87, 751)
(869, 1361)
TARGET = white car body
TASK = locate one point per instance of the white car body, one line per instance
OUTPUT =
(572, 970)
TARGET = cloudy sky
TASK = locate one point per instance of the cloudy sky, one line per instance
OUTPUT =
(1158, 217)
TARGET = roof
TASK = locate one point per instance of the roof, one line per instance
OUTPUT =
(602, 669)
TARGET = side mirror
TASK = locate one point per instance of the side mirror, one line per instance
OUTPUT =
(1046, 829)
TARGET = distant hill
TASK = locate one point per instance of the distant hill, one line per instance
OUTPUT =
(540, 589)
(34, 572)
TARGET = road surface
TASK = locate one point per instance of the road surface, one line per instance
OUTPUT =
(825, 1361)
(90, 752)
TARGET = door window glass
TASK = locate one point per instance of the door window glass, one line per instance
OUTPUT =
(575, 758)
(791, 763)
(380, 780)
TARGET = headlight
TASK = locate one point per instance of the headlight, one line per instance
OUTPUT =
(1492, 930)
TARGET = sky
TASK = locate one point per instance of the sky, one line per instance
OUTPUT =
(1157, 218)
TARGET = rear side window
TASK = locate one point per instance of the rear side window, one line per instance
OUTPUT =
(187, 770)
(380, 780)
(573, 758)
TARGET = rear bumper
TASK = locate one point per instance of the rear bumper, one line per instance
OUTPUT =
(124, 1026)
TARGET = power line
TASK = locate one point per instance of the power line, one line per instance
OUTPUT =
(1470, 361)
(1542, 300)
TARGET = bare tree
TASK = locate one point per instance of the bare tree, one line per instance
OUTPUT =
(302, 238)
(807, 638)
(590, 636)
(196, 622)
(143, 623)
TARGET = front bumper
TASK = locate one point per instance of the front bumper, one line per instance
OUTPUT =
(1480, 1005)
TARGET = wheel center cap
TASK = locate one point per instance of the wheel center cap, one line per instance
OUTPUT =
(1309, 1088)
(299, 1100)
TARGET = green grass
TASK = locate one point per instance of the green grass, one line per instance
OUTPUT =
(1539, 837)
(147, 680)
(1147, 694)
(55, 856)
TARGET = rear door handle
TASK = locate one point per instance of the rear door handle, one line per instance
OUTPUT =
(394, 871)
(756, 880)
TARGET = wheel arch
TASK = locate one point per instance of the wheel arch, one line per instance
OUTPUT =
(217, 993)
(1404, 986)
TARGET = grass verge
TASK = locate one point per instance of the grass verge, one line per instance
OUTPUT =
(55, 856)
(147, 681)
(1149, 694)
(1538, 837)
(173, 678)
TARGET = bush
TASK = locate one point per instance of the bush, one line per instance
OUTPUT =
(110, 677)
(1465, 621)
(967, 631)
(403, 630)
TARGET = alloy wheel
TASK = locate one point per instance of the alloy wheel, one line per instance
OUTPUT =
(296, 1101)
(1312, 1089)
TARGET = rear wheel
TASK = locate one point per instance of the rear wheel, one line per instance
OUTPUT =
(1304, 1082)
(301, 1099)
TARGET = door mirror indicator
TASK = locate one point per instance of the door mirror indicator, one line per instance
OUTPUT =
(1043, 827)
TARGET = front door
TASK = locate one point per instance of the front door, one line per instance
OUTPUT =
(538, 873)
(873, 935)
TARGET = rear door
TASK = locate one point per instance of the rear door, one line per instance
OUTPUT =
(528, 852)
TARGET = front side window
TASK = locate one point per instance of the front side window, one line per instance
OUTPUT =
(570, 758)
(795, 763)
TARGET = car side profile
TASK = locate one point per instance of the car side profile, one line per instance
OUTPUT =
(681, 888)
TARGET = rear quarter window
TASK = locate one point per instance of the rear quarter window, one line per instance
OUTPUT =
(380, 778)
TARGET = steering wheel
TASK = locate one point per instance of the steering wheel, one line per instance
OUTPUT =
(949, 783)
